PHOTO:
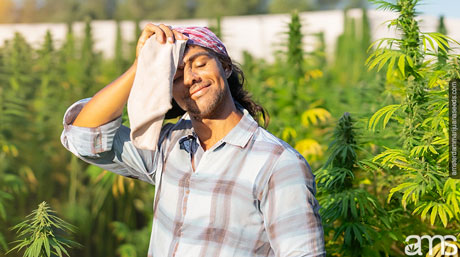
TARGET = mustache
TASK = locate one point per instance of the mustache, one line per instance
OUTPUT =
(197, 87)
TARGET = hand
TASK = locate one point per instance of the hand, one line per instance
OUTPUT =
(163, 33)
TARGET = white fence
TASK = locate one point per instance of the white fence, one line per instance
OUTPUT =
(258, 34)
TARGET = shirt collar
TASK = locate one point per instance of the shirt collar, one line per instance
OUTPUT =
(239, 135)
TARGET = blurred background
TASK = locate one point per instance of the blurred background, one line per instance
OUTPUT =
(359, 88)
(33, 11)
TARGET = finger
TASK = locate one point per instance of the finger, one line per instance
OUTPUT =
(179, 36)
(148, 31)
(159, 32)
(168, 32)
(152, 29)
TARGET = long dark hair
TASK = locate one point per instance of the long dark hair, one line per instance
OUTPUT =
(236, 84)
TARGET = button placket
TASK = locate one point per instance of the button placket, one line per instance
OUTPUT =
(185, 197)
(204, 157)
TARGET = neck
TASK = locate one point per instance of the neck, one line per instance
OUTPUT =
(211, 130)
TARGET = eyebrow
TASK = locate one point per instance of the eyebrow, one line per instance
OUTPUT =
(196, 55)
(191, 58)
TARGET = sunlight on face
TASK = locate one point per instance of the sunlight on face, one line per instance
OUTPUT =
(200, 85)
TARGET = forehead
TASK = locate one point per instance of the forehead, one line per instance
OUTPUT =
(193, 51)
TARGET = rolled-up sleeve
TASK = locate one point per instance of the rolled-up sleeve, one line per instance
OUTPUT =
(290, 209)
(109, 147)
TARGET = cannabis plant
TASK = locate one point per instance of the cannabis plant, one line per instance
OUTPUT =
(284, 88)
(14, 63)
(36, 87)
(349, 212)
(88, 58)
(41, 234)
(418, 81)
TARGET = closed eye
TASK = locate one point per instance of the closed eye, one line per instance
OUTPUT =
(201, 61)
(201, 64)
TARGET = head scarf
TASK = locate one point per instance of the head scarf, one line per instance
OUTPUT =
(204, 37)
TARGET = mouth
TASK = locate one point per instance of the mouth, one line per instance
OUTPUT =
(199, 88)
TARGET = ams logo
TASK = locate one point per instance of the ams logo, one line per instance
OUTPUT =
(447, 247)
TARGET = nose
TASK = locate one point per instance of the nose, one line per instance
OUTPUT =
(191, 77)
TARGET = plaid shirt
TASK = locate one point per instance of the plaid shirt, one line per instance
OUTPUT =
(251, 194)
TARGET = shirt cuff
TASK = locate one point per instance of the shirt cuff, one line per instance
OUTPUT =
(88, 141)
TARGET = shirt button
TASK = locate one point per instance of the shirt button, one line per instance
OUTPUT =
(187, 191)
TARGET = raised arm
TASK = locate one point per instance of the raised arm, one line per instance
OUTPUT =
(109, 102)
(93, 130)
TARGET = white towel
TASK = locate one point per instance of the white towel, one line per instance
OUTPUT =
(151, 94)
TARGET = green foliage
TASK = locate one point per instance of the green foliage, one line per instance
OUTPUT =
(36, 87)
(216, 26)
(419, 67)
(133, 242)
(371, 179)
(442, 55)
(350, 213)
(295, 47)
(353, 85)
(72, 10)
(120, 62)
(285, 6)
(40, 234)
(88, 58)
(219, 8)
(13, 111)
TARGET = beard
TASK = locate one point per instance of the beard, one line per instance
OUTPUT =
(210, 109)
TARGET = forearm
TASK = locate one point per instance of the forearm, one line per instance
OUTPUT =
(107, 146)
(108, 103)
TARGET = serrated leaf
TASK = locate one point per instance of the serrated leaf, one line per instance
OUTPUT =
(424, 44)
(357, 233)
(47, 247)
(431, 42)
(434, 212)
(406, 194)
(377, 60)
(442, 215)
(431, 148)
(425, 211)
(384, 60)
(401, 64)
(410, 61)
(387, 111)
(419, 207)
(391, 66)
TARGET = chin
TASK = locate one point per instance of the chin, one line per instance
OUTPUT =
(207, 106)
(202, 113)
(205, 109)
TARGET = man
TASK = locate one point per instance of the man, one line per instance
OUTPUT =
(224, 185)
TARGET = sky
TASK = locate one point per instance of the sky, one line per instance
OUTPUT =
(448, 8)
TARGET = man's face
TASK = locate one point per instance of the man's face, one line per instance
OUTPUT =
(200, 84)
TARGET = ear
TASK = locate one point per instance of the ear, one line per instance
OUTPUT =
(228, 72)
(227, 69)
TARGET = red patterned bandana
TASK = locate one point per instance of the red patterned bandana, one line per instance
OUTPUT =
(203, 37)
